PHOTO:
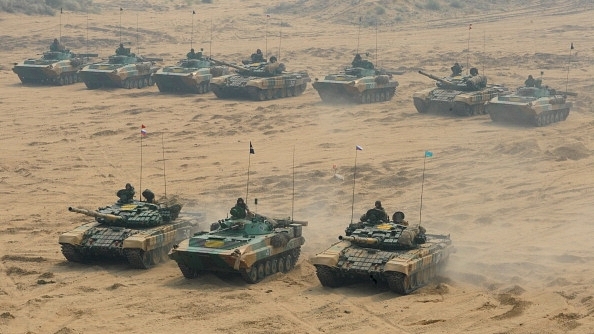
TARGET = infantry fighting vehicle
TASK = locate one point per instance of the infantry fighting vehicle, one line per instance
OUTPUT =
(536, 106)
(358, 84)
(124, 69)
(461, 96)
(140, 232)
(404, 257)
(188, 76)
(259, 81)
(58, 67)
(254, 247)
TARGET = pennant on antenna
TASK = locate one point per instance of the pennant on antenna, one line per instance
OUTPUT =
(428, 154)
(252, 149)
(358, 148)
(143, 130)
(193, 12)
(470, 26)
(121, 9)
(572, 46)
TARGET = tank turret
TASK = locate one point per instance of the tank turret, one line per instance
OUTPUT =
(255, 69)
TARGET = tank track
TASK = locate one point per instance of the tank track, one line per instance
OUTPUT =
(258, 94)
(456, 108)
(187, 271)
(62, 80)
(376, 95)
(283, 262)
(140, 259)
(200, 88)
(72, 254)
(329, 277)
(404, 284)
(550, 117)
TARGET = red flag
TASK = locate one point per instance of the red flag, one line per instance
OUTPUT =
(470, 26)
(143, 130)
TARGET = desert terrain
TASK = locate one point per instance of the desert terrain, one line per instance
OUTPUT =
(516, 200)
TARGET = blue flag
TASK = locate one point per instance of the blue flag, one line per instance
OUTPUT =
(428, 154)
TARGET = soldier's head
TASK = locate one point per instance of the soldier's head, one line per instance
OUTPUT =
(240, 201)
(357, 57)
(56, 40)
(378, 204)
(530, 76)
(192, 50)
(259, 51)
(273, 59)
(473, 71)
(128, 186)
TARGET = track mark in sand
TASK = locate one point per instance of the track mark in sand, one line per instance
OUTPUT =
(21, 258)
(518, 306)
(568, 321)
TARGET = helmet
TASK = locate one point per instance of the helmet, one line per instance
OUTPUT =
(258, 51)
(378, 204)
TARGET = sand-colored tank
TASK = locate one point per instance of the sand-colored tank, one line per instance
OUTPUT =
(259, 82)
(124, 69)
(404, 257)
(52, 68)
(361, 83)
(459, 95)
(188, 76)
(140, 232)
(254, 247)
(534, 106)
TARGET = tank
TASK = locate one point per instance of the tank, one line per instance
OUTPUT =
(188, 76)
(534, 106)
(142, 233)
(259, 81)
(124, 69)
(404, 257)
(254, 247)
(357, 85)
(53, 68)
(458, 95)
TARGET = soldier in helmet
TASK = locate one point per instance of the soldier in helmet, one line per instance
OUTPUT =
(126, 195)
(56, 46)
(257, 57)
(375, 215)
(121, 50)
(456, 69)
(240, 210)
(191, 54)
(530, 82)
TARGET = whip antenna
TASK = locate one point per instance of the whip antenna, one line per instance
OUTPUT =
(428, 154)
(121, 10)
(293, 200)
(164, 173)
(247, 188)
(358, 34)
(60, 29)
(468, 47)
(192, 35)
(568, 66)
(357, 148)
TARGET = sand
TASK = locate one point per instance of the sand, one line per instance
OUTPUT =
(516, 200)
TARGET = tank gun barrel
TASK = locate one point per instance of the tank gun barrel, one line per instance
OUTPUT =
(86, 55)
(360, 240)
(568, 93)
(95, 214)
(151, 59)
(432, 77)
(219, 62)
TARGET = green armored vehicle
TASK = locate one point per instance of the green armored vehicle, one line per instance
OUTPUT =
(457, 95)
(141, 232)
(530, 105)
(58, 67)
(191, 75)
(124, 69)
(253, 246)
(259, 81)
(361, 83)
(404, 257)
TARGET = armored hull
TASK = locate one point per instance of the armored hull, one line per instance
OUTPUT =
(460, 96)
(139, 232)
(356, 85)
(403, 257)
(529, 106)
(254, 248)
(125, 71)
(53, 68)
(188, 76)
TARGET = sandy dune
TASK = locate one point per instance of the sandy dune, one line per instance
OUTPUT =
(517, 201)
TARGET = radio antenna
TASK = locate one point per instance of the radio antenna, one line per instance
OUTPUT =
(357, 148)
(121, 10)
(60, 32)
(164, 173)
(358, 34)
(568, 66)
(192, 35)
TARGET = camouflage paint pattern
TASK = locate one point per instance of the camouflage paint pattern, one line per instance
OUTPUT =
(53, 68)
(126, 71)
(364, 86)
(188, 76)
(260, 88)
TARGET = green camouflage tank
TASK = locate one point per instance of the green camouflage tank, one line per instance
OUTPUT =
(140, 232)
(188, 76)
(535, 106)
(53, 68)
(124, 69)
(259, 82)
(459, 95)
(361, 83)
(404, 257)
(254, 247)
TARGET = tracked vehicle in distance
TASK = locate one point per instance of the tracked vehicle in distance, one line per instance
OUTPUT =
(254, 247)
(188, 76)
(56, 67)
(360, 83)
(123, 70)
(259, 82)
(140, 232)
(458, 95)
(404, 257)
(530, 105)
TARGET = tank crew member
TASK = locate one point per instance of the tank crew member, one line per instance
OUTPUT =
(474, 71)
(126, 195)
(240, 210)
(398, 218)
(122, 51)
(257, 57)
(149, 196)
(456, 69)
(530, 82)
(360, 62)
(191, 54)
(375, 215)
(56, 46)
